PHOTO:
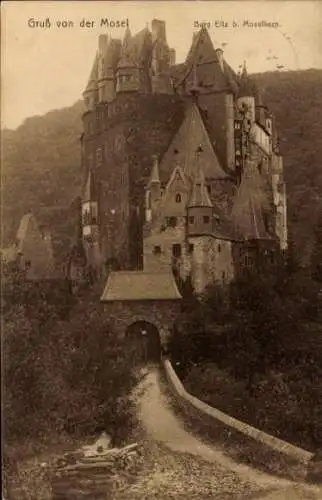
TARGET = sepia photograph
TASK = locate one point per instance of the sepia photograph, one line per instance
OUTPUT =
(161, 250)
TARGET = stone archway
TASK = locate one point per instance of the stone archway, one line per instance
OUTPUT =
(145, 337)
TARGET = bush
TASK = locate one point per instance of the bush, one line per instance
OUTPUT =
(69, 376)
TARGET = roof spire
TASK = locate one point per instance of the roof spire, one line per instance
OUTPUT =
(155, 177)
(246, 86)
(244, 73)
(199, 195)
(90, 193)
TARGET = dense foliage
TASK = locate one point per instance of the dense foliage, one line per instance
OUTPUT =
(64, 373)
(257, 354)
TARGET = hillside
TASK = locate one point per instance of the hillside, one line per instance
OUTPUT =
(41, 158)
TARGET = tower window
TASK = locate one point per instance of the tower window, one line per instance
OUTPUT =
(209, 188)
(219, 248)
(206, 219)
(171, 221)
(176, 250)
(191, 220)
(157, 250)
(178, 198)
(99, 156)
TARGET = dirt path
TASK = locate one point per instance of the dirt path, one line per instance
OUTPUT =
(164, 427)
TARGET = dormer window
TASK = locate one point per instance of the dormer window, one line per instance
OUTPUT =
(178, 198)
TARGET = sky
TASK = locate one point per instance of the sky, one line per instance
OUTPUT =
(45, 68)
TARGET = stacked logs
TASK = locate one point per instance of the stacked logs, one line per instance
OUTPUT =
(94, 472)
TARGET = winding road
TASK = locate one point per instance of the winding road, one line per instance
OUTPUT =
(192, 461)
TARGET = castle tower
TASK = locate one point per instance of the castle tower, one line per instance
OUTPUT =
(162, 57)
(246, 99)
(102, 76)
(108, 57)
(90, 222)
(199, 207)
(127, 71)
(90, 94)
(153, 192)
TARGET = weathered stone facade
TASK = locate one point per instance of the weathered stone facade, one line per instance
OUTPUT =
(161, 313)
(199, 119)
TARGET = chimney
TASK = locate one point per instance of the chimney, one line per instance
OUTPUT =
(172, 57)
(102, 43)
(220, 55)
(158, 30)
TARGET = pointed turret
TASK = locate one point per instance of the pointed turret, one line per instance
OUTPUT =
(110, 52)
(90, 93)
(199, 195)
(200, 207)
(90, 193)
(155, 175)
(127, 71)
(246, 99)
(126, 48)
(153, 191)
(246, 87)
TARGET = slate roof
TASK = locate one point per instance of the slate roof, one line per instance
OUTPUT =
(140, 285)
(203, 57)
(155, 174)
(90, 191)
(246, 86)
(191, 135)
(92, 81)
(199, 195)
(250, 202)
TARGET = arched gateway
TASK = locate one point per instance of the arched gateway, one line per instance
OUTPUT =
(143, 306)
(146, 337)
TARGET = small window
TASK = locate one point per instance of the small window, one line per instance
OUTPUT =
(172, 221)
(99, 156)
(175, 151)
(94, 220)
(190, 248)
(178, 198)
(28, 263)
(219, 248)
(157, 249)
(209, 188)
(191, 220)
(206, 219)
(223, 275)
(176, 250)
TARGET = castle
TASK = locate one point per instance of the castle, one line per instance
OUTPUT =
(181, 165)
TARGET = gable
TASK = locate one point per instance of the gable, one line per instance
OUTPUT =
(202, 67)
(175, 197)
(191, 135)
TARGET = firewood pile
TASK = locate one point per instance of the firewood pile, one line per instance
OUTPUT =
(95, 471)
